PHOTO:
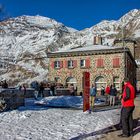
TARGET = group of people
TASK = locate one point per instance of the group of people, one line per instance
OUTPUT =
(39, 88)
(110, 92)
(127, 104)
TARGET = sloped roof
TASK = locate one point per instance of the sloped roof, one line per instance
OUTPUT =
(90, 50)
(94, 49)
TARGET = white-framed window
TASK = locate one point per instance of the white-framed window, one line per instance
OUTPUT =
(56, 64)
(100, 82)
(116, 82)
(83, 63)
(70, 64)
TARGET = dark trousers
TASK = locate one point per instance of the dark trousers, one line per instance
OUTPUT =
(127, 120)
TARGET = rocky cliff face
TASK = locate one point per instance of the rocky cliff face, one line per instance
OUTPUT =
(25, 41)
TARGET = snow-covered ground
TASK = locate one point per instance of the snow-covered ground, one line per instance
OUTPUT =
(34, 122)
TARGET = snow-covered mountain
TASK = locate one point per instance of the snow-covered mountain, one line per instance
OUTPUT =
(25, 41)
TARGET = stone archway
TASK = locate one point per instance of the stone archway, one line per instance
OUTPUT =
(100, 81)
(71, 80)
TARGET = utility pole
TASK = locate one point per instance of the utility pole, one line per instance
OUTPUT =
(123, 44)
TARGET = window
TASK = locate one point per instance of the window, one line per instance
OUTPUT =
(100, 81)
(56, 64)
(82, 63)
(100, 63)
(116, 82)
(70, 64)
(116, 62)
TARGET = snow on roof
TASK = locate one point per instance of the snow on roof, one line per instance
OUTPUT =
(89, 48)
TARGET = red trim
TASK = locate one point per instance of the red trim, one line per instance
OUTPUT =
(61, 64)
(75, 63)
(100, 63)
(87, 63)
(116, 62)
(52, 64)
(65, 64)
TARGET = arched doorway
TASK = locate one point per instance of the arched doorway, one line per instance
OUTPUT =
(100, 81)
(116, 82)
(71, 80)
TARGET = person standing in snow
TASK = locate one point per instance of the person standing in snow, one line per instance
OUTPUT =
(128, 106)
(113, 93)
(36, 87)
(102, 91)
(41, 89)
(52, 89)
(71, 89)
(93, 93)
(107, 92)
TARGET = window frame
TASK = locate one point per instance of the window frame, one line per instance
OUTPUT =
(70, 64)
(84, 63)
(57, 64)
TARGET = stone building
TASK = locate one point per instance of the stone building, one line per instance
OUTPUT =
(135, 50)
(106, 65)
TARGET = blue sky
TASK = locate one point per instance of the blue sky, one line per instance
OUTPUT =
(78, 14)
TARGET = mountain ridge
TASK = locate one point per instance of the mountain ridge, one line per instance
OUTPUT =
(27, 39)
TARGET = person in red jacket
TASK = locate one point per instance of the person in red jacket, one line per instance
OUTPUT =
(128, 106)
(107, 93)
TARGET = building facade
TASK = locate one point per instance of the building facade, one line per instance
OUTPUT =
(135, 50)
(106, 65)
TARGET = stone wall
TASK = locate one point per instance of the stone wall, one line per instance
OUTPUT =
(108, 71)
(128, 44)
(13, 98)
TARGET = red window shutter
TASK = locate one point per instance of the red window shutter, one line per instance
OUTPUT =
(116, 62)
(75, 63)
(87, 63)
(65, 64)
(100, 63)
(61, 64)
(52, 64)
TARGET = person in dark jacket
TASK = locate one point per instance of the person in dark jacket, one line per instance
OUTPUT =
(113, 93)
(128, 106)
(35, 85)
(41, 89)
(102, 91)
(52, 89)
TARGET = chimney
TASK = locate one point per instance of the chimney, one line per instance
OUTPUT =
(97, 40)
